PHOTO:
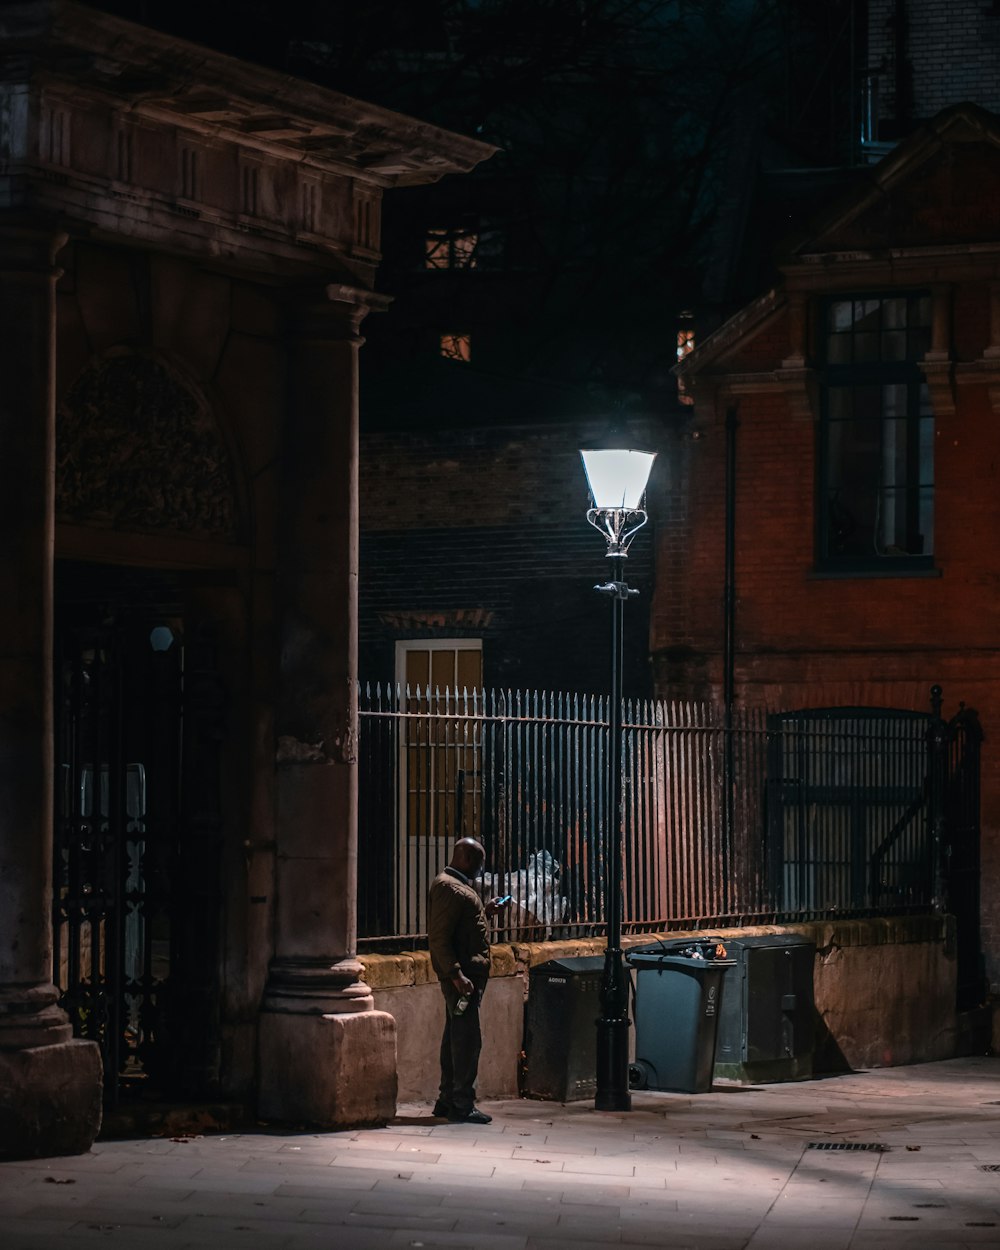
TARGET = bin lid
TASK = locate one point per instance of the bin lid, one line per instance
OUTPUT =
(686, 963)
(675, 946)
(573, 966)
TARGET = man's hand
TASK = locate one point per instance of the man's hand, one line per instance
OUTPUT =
(497, 904)
(462, 983)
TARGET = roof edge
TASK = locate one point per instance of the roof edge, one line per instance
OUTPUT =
(138, 63)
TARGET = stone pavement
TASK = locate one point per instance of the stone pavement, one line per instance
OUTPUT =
(720, 1171)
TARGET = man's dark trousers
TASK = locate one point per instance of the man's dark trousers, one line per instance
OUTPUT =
(460, 1047)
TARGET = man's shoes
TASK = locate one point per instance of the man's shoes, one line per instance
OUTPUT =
(442, 1110)
(475, 1116)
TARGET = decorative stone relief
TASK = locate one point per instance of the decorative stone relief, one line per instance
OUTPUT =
(136, 450)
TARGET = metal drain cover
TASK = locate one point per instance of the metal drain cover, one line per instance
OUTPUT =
(989, 1167)
(847, 1145)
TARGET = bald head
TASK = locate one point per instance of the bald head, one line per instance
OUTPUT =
(468, 857)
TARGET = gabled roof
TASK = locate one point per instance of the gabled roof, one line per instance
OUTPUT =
(937, 192)
(934, 186)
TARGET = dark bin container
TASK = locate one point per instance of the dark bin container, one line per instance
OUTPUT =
(767, 1022)
(677, 1003)
(560, 1042)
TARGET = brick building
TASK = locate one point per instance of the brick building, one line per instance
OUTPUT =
(844, 435)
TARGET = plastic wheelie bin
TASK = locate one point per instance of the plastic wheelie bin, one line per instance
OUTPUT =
(678, 996)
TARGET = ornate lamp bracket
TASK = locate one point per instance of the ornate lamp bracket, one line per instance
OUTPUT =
(618, 525)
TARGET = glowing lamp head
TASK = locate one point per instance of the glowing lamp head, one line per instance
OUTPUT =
(617, 481)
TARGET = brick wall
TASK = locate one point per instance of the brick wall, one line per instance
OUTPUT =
(807, 640)
(483, 533)
(952, 53)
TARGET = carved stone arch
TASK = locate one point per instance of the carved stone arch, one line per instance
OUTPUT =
(138, 449)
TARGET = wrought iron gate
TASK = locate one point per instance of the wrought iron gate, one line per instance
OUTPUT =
(137, 842)
(877, 810)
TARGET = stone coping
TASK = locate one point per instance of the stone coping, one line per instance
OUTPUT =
(414, 967)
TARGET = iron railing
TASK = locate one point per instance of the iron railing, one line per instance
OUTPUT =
(748, 818)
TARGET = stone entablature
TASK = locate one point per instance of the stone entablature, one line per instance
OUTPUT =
(140, 135)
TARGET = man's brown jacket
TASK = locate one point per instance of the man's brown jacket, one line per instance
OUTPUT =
(456, 929)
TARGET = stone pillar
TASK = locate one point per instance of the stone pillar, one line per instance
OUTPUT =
(937, 365)
(326, 1056)
(50, 1084)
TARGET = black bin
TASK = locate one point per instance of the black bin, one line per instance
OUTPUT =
(767, 1022)
(560, 1042)
(677, 1003)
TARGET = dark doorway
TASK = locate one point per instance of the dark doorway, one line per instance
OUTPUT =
(137, 843)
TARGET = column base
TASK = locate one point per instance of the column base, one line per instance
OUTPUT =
(50, 1099)
(333, 1071)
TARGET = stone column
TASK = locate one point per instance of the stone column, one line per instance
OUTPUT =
(937, 365)
(50, 1084)
(326, 1056)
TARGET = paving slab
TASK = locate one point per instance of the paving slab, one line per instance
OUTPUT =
(733, 1169)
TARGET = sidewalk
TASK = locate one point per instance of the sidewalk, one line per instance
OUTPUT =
(727, 1170)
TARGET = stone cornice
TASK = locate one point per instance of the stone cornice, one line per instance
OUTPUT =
(832, 271)
(203, 92)
(119, 132)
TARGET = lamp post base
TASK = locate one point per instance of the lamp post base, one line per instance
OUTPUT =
(612, 1092)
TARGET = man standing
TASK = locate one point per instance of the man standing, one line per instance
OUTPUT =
(460, 952)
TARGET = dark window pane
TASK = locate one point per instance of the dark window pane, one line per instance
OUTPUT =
(894, 345)
(838, 349)
(841, 315)
(894, 314)
(894, 399)
(894, 453)
(900, 529)
(855, 451)
(851, 521)
(866, 314)
(867, 402)
(839, 403)
(866, 347)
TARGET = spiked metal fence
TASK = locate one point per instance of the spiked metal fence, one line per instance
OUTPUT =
(727, 819)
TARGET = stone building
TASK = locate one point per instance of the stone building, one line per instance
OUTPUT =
(844, 438)
(188, 247)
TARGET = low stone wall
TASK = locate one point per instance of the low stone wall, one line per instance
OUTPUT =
(885, 995)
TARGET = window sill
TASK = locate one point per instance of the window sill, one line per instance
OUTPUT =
(891, 571)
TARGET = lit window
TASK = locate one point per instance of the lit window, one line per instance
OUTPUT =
(876, 434)
(456, 346)
(685, 343)
(450, 249)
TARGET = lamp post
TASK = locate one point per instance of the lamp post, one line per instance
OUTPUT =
(617, 480)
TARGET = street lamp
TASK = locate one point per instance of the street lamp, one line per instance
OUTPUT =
(617, 481)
